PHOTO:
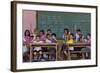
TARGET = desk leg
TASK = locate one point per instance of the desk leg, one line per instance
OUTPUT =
(30, 54)
(56, 53)
(69, 57)
(83, 56)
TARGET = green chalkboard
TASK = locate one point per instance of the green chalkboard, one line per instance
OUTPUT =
(57, 21)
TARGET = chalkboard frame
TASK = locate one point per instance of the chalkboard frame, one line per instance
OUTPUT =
(14, 35)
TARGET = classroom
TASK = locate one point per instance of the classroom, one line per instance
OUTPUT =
(56, 36)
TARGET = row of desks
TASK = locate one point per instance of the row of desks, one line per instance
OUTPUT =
(55, 45)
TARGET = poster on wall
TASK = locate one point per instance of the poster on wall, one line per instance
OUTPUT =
(47, 36)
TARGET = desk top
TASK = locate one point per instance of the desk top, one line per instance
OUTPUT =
(55, 44)
(79, 44)
(44, 44)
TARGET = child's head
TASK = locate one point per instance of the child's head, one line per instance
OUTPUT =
(37, 38)
(82, 38)
(66, 30)
(49, 31)
(35, 31)
(71, 36)
(40, 52)
(35, 53)
(88, 36)
(32, 37)
(53, 35)
(78, 31)
(48, 36)
(27, 33)
(41, 32)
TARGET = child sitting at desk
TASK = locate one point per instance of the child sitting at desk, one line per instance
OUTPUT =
(37, 50)
(51, 39)
(88, 48)
(48, 38)
(70, 41)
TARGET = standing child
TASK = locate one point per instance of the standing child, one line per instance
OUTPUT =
(35, 33)
(42, 35)
(49, 31)
(64, 50)
(77, 35)
(66, 34)
(26, 43)
(78, 39)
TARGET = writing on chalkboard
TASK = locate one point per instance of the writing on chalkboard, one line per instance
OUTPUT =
(57, 21)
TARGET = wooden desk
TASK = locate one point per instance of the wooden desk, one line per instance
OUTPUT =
(78, 45)
(48, 45)
(83, 45)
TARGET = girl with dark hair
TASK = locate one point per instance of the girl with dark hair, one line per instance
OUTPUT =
(66, 34)
(27, 33)
(27, 38)
(26, 41)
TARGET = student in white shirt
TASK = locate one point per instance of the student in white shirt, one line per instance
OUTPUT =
(53, 39)
(37, 50)
(51, 51)
(48, 39)
(37, 41)
(77, 35)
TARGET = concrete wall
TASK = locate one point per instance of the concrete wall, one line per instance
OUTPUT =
(29, 20)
